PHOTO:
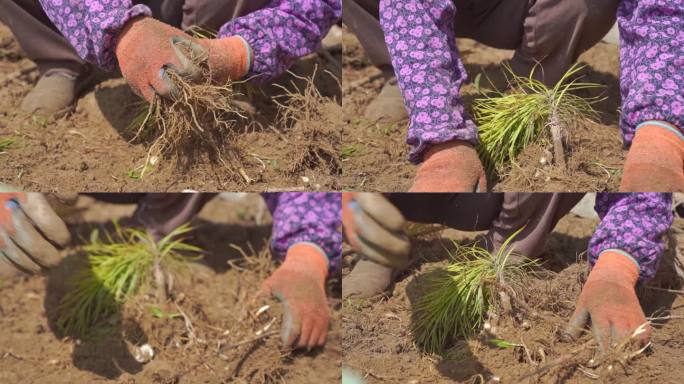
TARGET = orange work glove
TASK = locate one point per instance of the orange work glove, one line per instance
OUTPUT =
(147, 48)
(450, 167)
(299, 284)
(609, 300)
(655, 162)
(29, 231)
(230, 58)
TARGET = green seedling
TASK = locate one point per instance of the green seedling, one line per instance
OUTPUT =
(458, 297)
(503, 344)
(40, 120)
(349, 151)
(6, 143)
(160, 314)
(476, 83)
(509, 122)
(386, 129)
(356, 304)
(134, 174)
(125, 264)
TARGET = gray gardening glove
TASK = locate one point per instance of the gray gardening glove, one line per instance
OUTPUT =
(30, 231)
(375, 228)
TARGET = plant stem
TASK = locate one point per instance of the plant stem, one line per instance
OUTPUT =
(557, 138)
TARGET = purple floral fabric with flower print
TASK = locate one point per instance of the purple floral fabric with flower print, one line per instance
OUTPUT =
(634, 223)
(278, 34)
(313, 217)
(283, 32)
(651, 62)
(422, 44)
(420, 38)
(92, 26)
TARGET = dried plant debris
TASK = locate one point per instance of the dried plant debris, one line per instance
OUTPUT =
(316, 127)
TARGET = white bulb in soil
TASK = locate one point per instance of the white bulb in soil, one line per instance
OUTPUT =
(262, 310)
(144, 353)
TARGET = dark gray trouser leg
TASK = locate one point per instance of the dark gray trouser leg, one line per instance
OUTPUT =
(212, 14)
(557, 32)
(462, 211)
(38, 37)
(500, 213)
(552, 33)
(362, 18)
(537, 212)
(161, 213)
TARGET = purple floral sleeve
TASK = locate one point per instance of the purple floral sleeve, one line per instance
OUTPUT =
(92, 26)
(278, 34)
(422, 44)
(633, 223)
(651, 61)
(283, 32)
(313, 217)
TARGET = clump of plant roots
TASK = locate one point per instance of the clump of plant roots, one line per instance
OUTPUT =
(317, 127)
(123, 265)
(200, 117)
(510, 121)
(458, 297)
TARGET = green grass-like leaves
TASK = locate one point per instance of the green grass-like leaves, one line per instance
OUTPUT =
(503, 344)
(117, 269)
(457, 297)
(509, 122)
(6, 143)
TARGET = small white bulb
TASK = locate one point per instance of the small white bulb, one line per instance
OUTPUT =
(144, 353)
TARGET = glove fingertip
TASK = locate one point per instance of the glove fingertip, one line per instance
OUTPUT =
(323, 337)
(576, 324)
